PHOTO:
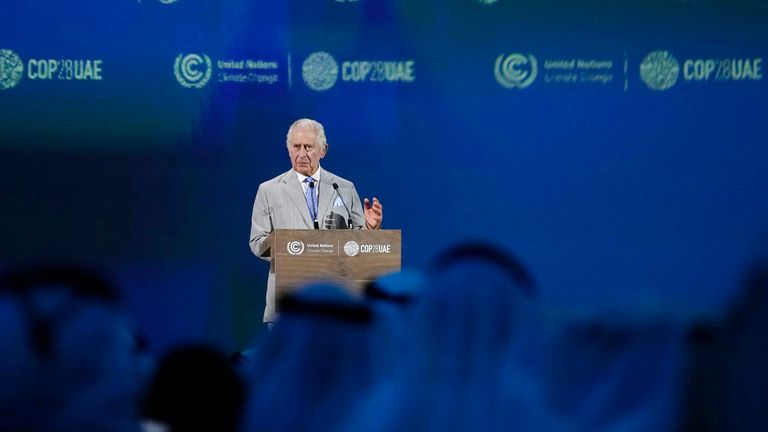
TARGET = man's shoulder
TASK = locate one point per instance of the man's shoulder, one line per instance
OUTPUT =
(333, 178)
(274, 181)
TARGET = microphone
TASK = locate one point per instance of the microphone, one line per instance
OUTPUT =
(314, 209)
(349, 213)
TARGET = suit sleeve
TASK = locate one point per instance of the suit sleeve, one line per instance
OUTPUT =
(261, 221)
(358, 218)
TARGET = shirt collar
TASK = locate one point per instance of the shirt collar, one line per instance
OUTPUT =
(315, 176)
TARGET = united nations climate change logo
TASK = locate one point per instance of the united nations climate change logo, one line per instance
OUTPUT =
(516, 70)
(351, 248)
(295, 247)
(659, 70)
(11, 69)
(192, 70)
(320, 71)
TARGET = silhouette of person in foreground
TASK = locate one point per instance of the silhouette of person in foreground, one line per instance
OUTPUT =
(314, 362)
(70, 356)
(195, 389)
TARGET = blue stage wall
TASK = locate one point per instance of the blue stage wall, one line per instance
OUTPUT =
(620, 149)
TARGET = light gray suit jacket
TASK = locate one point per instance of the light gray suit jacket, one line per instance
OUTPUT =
(280, 203)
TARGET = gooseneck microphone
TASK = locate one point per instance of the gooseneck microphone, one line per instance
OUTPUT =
(349, 213)
(314, 208)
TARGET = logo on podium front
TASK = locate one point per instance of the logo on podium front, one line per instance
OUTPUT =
(295, 247)
(351, 248)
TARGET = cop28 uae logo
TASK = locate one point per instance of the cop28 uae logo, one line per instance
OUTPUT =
(320, 71)
(351, 248)
(659, 70)
(516, 70)
(192, 70)
(11, 69)
(295, 247)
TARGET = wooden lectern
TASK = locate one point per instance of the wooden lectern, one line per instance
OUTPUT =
(351, 257)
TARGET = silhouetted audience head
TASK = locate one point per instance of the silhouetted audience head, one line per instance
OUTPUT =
(616, 372)
(727, 387)
(747, 409)
(393, 299)
(398, 288)
(195, 389)
(314, 362)
(484, 253)
(470, 310)
(70, 356)
(462, 335)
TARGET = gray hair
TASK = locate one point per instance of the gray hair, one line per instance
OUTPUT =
(314, 125)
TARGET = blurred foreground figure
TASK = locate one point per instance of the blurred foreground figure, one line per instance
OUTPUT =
(393, 298)
(69, 358)
(728, 380)
(316, 360)
(195, 389)
(615, 372)
(454, 373)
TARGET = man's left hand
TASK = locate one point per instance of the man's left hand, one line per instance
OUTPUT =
(374, 213)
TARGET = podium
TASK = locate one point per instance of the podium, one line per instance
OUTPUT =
(348, 257)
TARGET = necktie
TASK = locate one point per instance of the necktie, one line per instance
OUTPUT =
(311, 197)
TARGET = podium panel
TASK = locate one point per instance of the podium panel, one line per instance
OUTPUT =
(349, 257)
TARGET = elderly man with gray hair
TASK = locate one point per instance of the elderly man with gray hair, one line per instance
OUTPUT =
(307, 196)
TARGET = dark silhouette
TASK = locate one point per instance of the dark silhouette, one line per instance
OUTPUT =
(463, 337)
(71, 360)
(727, 386)
(317, 360)
(196, 389)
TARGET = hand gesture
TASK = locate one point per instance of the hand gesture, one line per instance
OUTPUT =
(374, 213)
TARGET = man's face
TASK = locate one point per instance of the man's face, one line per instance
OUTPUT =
(304, 151)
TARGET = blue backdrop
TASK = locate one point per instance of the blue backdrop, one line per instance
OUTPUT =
(618, 148)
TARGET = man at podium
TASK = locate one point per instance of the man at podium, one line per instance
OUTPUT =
(307, 196)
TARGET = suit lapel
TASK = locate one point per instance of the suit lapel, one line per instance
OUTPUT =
(292, 189)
